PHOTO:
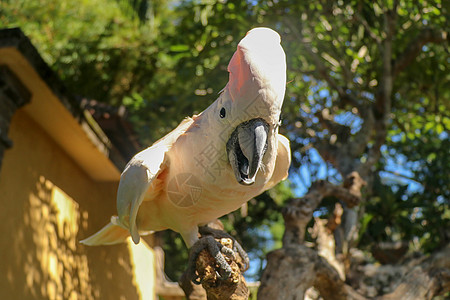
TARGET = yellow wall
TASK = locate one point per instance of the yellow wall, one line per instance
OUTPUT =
(48, 204)
(71, 134)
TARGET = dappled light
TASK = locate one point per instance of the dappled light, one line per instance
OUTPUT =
(168, 114)
(46, 209)
(55, 270)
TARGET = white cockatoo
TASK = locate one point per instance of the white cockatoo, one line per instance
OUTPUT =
(215, 161)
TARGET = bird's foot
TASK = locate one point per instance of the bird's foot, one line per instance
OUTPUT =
(220, 260)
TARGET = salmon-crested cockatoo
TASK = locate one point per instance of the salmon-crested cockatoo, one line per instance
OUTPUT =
(215, 161)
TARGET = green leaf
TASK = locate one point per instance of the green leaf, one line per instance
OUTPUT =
(179, 48)
(428, 126)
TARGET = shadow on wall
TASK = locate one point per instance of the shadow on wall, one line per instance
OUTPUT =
(48, 260)
(46, 202)
(57, 269)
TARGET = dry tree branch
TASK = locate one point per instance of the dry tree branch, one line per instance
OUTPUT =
(426, 280)
(301, 267)
(213, 287)
(294, 268)
(368, 29)
(298, 212)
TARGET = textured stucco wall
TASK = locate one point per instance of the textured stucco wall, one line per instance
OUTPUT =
(48, 204)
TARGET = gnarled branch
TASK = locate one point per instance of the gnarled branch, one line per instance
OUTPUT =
(299, 211)
(217, 288)
(425, 280)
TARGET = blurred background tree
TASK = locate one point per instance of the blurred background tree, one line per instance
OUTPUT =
(368, 91)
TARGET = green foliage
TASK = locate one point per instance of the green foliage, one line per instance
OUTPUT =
(176, 254)
(335, 61)
(418, 142)
(425, 211)
(90, 45)
(165, 60)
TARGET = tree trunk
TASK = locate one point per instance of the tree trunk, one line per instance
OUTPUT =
(295, 268)
(425, 280)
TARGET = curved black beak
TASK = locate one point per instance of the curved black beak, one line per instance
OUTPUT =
(246, 148)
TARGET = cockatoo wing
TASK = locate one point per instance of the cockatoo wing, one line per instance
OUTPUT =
(134, 183)
(139, 174)
(282, 163)
(136, 180)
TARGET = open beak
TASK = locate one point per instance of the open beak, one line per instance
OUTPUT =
(246, 148)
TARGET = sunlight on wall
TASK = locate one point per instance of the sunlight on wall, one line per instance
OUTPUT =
(48, 205)
(143, 261)
(66, 215)
(54, 217)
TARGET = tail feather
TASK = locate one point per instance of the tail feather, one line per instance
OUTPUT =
(109, 235)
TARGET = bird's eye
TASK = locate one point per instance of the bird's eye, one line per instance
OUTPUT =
(222, 112)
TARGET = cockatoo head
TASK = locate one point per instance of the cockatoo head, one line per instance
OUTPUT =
(250, 104)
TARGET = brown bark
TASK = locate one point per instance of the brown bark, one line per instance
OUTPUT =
(212, 286)
(294, 268)
(291, 270)
(299, 211)
(425, 280)
(326, 246)
(216, 288)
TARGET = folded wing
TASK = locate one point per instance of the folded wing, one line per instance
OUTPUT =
(135, 181)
